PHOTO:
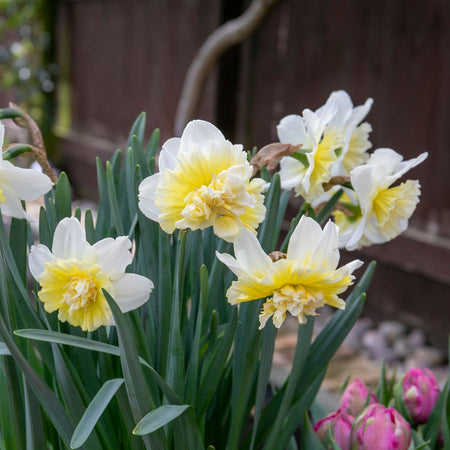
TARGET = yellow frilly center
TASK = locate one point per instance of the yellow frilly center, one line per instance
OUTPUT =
(211, 187)
(322, 160)
(391, 206)
(74, 289)
(292, 288)
(357, 148)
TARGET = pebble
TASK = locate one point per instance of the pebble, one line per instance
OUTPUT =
(424, 357)
(391, 330)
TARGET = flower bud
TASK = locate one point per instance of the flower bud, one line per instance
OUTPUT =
(340, 425)
(420, 393)
(380, 428)
(355, 396)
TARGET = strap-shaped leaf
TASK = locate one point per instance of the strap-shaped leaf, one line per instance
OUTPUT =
(159, 417)
(94, 411)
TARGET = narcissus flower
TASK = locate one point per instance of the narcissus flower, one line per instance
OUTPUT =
(381, 428)
(302, 281)
(334, 140)
(356, 134)
(73, 275)
(340, 425)
(307, 172)
(204, 181)
(17, 184)
(383, 211)
(420, 393)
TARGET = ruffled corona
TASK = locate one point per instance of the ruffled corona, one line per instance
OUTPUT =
(382, 212)
(305, 280)
(204, 181)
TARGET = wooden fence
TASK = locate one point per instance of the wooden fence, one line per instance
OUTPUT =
(123, 57)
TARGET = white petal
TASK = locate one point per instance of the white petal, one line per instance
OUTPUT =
(147, 191)
(28, 184)
(352, 243)
(292, 172)
(168, 155)
(131, 291)
(291, 130)
(327, 252)
(12, 206)
(39, 255)
(360, 112)
(113, 255)
(405, 166)
(231, 263)
(362, 181)
(304, 240)
(201, 133)
(344, 107)
(250, 255)
(69, 240)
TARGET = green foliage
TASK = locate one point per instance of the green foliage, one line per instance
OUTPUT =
(187, 370)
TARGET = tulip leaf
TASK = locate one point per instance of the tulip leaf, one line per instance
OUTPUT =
(94, 411)
(309, 439)
(159, 417)
(433, 425)
(418, 443)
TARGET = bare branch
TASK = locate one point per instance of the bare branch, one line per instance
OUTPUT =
(225, 36)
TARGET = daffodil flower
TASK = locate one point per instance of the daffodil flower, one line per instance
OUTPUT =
(335, 139)
(307, 172)
(73, 275)
(306, 279)
(356, 134)
(383, 211)
(17, 184)
(204, 181)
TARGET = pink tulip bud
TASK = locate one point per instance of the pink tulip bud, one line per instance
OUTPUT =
(355, 396)
(420, 393)
(380, 428)
(340, 425)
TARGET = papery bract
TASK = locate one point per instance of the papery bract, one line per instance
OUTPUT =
(340, 425)
(382, 212)
(204, 181)
(420, 393)
(73, 275)
(355, 397)
(381, 428)
(17, 184)
(305, 280)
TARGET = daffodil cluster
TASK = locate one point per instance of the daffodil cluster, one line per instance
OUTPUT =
(333, 151)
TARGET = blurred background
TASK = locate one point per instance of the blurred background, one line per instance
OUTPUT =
(85, 69)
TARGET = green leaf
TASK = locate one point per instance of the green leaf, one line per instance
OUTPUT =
(9, 113)
(138, 394)
(418, 441)
(267, 234)
(159, 417)
(304, 336)
(63, 197)
(15, 151)
(46, 397)
(309, 439)
(138, 129)
(34, 425)
(94, 411)
(328, 208)
(4, 349)
(89, 344)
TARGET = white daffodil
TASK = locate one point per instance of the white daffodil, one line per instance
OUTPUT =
(306, 173)
(383, 211)
(304, 280)
(73, 275)
(356, 134)
(17, 184)
(204, 181)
